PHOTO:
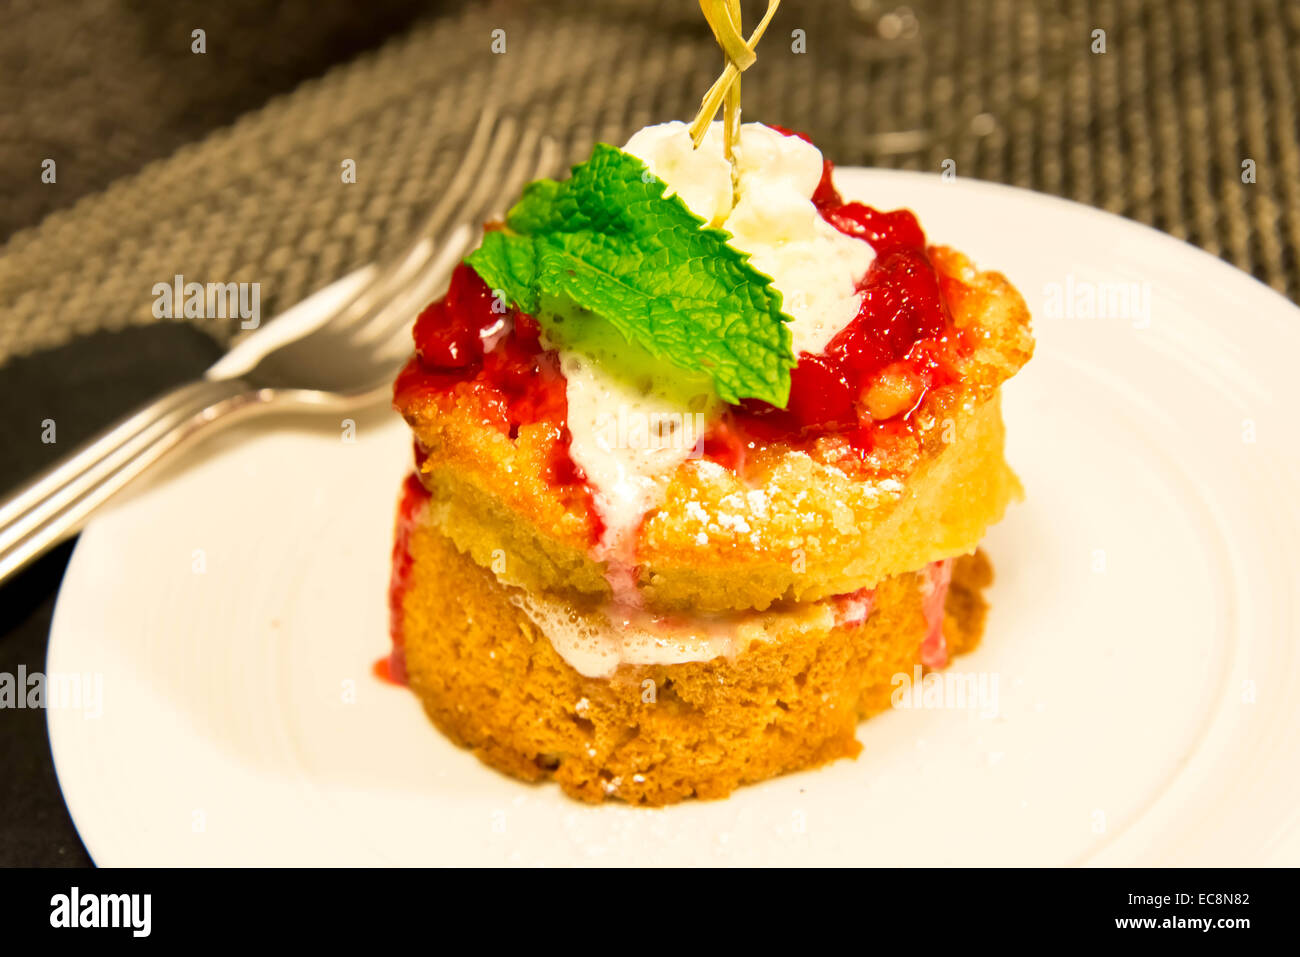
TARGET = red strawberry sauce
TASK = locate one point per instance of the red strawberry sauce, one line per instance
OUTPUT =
(467, 343)
(903, 329)
(409, 509)
(469, 347)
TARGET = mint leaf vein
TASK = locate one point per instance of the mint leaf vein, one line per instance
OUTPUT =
(607, 240)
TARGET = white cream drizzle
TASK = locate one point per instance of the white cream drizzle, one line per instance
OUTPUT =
(597, 644)
(815, 268)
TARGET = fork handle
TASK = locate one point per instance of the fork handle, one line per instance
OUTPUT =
(57, 503)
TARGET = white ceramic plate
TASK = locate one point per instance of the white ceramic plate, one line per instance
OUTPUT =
(1143, 633)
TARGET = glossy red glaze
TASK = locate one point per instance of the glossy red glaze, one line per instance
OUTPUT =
(904, 325)
(383, 670)
(467, 345)
(413, 499)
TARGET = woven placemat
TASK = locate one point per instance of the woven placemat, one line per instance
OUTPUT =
(1155, 128)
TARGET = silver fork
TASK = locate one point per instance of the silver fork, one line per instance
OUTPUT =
(346, 361)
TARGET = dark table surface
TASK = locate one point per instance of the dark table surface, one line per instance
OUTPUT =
(225, 165)
(105, 88)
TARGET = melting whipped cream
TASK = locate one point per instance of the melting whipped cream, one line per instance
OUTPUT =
(597, 644)
(632, 420)
(814, 266)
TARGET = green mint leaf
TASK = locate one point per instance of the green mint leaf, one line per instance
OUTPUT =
(608, 240)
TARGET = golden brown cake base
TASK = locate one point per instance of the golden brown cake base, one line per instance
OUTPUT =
(655, 734)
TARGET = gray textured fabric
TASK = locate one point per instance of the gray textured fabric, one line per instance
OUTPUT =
(1156, 128)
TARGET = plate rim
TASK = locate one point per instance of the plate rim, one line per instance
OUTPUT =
(58, 726)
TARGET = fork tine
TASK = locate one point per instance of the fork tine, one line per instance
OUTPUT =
(506, 143)
(491, 130)
(536, 156)
(430, 248)
(430, 245)
(312, 369)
